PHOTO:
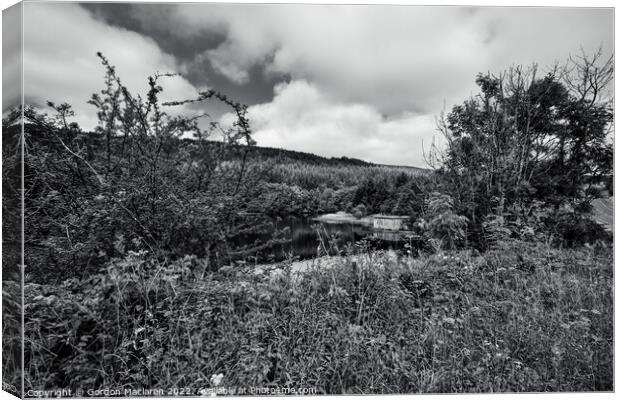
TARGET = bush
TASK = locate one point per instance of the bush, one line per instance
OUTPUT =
(360, 211)
(574, 229)
(446, 229)
(134, 183)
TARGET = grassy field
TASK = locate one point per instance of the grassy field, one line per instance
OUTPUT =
(521, 317)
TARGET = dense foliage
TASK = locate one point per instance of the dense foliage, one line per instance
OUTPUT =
(528, 145)
(521, 317)
(11, 260)
(298, 189)
(133, 184)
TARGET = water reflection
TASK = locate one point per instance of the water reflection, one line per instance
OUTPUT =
(307, 238)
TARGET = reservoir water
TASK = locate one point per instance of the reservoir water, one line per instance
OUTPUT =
(304, 237)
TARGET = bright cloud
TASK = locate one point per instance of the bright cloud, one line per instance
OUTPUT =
(302, 118)
(60, 62)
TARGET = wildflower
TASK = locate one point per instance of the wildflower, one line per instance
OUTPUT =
(354, 329)
(216, 379)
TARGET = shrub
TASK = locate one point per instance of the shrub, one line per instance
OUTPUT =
(135, 183)
(573, 229)
(446, 229)
(360, 211)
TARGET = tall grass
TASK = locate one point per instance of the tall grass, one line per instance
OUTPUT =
(521, 317)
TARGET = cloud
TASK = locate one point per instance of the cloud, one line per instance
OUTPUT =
(302, 118)
(60, 63)
(364, 81)
(397, 58)
(11, 62)
(368, 81)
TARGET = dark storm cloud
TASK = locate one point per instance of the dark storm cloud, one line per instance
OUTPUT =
(154, 21)
(257, 89)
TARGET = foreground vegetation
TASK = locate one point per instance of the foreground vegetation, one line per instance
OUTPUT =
(521, 317)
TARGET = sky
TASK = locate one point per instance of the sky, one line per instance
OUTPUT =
(359, 81)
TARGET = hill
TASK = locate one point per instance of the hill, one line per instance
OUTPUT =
(286, 156)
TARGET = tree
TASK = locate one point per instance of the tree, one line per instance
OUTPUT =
(372, 193)
(526, 138)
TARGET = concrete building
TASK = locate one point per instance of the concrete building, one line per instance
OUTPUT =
(389, 222)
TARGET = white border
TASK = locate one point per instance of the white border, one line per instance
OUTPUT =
(526, 3)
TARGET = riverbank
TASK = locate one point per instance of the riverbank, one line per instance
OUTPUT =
(327, 262)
